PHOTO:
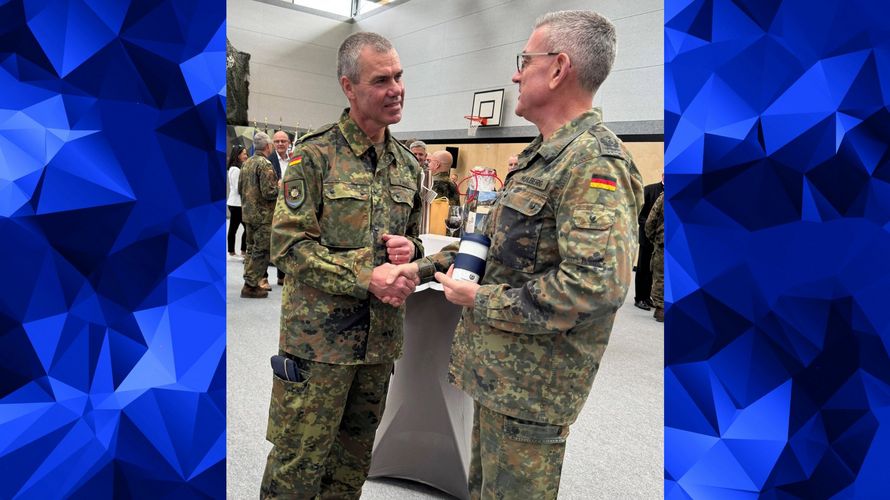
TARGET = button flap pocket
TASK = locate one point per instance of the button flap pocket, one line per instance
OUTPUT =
(339, 190)
(524, 201)
(592, 217)
(402, 194)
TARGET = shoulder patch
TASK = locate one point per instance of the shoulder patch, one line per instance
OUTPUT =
(294, 193)
(315, 133)
(609, 144)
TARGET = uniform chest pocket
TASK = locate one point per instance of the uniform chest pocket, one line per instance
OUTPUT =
(402, 202)
(345, 216)
(517, 231)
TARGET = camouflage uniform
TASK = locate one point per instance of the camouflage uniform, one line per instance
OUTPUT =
(237, 85)
(258, 188)
(443, 186)
(655, 233)
(338, 201)
(564, 240)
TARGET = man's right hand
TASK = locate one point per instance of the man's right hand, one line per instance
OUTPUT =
(390, 291)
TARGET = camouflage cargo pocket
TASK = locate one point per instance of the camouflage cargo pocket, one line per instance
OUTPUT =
(590, 233)
(526, 431)
(287, 410)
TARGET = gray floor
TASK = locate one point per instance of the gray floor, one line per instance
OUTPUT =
(615, 449)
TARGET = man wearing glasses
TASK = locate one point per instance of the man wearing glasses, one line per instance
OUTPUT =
(563, 244)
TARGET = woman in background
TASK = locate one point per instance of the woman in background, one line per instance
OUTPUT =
(236, 158)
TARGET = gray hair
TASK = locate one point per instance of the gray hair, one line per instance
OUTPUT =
(347, 56)
(589, 40)
(260, 141)
(417, 144)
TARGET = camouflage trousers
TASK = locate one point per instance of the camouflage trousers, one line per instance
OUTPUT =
(256, 266)
(322, 430)
(658, 277)
(515, 458)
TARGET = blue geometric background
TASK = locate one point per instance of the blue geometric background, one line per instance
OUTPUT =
(777, 374)
(112, 310)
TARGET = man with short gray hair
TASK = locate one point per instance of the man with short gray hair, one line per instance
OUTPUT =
(563, 243)
(349, 210)
(259, 188)
(418, 149)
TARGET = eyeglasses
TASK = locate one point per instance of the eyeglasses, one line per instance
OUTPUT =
(522, 59)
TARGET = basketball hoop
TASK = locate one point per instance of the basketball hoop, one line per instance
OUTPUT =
(475, 121)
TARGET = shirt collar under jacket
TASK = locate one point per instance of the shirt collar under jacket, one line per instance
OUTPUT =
(552, 147)
(358, 140)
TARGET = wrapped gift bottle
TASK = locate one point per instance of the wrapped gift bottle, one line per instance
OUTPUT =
(481, 196)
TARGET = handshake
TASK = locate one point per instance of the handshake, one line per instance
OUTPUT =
(394, 291)
(395, 280)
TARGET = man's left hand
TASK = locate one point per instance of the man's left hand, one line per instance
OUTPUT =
(399, 249)
(461, 293)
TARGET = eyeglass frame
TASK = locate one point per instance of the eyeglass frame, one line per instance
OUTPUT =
(520, 66)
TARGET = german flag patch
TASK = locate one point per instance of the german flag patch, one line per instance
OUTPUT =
(603, 182)
(296, 161)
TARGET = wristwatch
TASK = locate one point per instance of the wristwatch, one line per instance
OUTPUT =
(425, 271)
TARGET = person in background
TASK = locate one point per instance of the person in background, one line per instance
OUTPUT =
(237, 156)
(258, 188)
(440, 166)
(279, 159)
(655, 234)
(512, 162)
(349, 210)
(563, 243)
(643, 277)
(418, 149)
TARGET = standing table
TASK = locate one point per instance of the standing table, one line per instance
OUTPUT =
(426, 429)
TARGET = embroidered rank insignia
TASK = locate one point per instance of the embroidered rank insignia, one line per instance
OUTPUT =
(603, 182)
(296, 161)
(294, 193)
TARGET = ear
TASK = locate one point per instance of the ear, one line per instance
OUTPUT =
(347, 87)
(560, 70)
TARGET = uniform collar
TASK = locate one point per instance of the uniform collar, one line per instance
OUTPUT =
(357, 139)
(551, 148)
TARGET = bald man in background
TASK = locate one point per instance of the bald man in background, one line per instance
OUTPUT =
(440, 166)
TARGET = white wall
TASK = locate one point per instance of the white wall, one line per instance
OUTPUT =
(293, 62)
(449, 50)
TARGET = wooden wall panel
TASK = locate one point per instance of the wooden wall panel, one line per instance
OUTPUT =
(649, 157)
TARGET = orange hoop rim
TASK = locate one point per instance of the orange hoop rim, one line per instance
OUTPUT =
(473, 118)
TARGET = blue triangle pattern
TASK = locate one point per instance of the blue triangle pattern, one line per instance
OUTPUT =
(112, 357)
(777, 355)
